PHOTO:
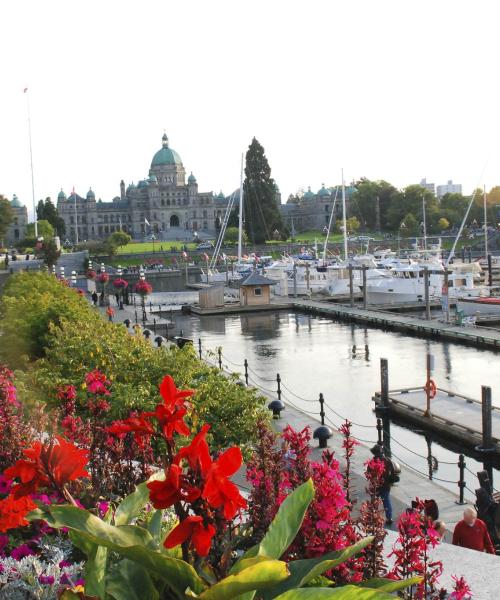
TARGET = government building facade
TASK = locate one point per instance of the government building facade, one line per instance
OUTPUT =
(163, 204)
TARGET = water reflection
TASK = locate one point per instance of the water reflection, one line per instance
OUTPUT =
(315, 354)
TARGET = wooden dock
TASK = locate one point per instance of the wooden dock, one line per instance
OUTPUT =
(236, 308)
(456, 417)
(475, 336)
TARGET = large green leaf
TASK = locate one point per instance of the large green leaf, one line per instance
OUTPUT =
(256, 577)
(95, 572)
(303, 571)
(130, 506)
(348, 592)
(130, 581)
(154, 526)
(390, 585)
(129, 541)
(286, 523)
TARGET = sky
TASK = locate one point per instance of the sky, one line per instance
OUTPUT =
(387, 89)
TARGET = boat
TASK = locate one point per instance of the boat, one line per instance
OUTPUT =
(473, 307)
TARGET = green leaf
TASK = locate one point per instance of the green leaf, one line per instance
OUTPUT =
(154, 526)
(303, 571)
(347, 592)
(256, 577)
(286, 523)
(130, 581)
(130, 506)
(95, 572)
(390, 585)
(129, 541)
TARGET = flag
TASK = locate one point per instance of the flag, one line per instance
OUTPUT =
(147, 222)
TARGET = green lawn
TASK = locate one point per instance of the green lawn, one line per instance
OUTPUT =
(139, 247)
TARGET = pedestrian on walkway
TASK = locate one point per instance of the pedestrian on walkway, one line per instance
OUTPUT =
(110, 312)
(472, 533)
(388, 478)
(95, 297)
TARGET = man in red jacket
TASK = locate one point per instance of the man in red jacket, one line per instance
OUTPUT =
(472, 533)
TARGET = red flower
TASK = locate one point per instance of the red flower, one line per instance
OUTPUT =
(139, 426)
(173, 489)
(170, 414)
(66, 392)
(171, 395)
(103, 278)
(143, 287)
(48, 465)
(192, 528)
(120, 283)
(91, 274)
(97, 383)
(218, 490)
(196, 453)
(14, 510)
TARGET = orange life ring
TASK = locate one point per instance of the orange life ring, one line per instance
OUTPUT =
(431, 389)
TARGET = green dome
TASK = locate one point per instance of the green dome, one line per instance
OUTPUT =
(191, 178)
(61, 195)
(90, 195)
(15, 202)
(309, 194)
(165, 156)
(323, 191)
(131, 187)
(220, 196)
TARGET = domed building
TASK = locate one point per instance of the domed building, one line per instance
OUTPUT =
(17, 229)
(162, 204)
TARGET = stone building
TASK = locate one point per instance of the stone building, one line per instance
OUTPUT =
(312, 210)
(163, 204)
(17, 229)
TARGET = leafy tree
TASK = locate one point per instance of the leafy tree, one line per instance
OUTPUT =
(410, 201)
(46, 211)
(49, 252)
(45, 230)
(231, 235)
(119, 238)
(6, 215)
(262, 214)
(353, 224)
(443, 223)
(409, 226)
(371, 196)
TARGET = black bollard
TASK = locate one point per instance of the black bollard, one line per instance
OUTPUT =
(199, 347)
(384, 384)
(490, 274)
(219, 352)
(380, 441)
(322, 433)
(278, 381)
(461, 480)
(246, 371)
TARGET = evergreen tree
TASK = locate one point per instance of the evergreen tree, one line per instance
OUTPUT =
(46, 211)
(262, 213)
(6, 215)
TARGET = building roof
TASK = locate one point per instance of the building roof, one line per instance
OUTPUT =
(90, 194)
(323, 191)
(257, 279)
(61, 195)
(191, 178)
(165, 156)
(15, 202)
(309, 194)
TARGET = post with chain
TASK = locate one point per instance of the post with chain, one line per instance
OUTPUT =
(380, 440)
(154, 326)
(322, 433)
(461, 480)
(219, 352)
(278, 381)
(246, 371)
(199, 347)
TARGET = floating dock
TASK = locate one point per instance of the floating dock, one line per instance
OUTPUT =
(475, 336)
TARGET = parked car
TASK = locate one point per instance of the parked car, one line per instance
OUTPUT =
(205, 246)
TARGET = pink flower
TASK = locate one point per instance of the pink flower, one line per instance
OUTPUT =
(97, 383)
(21, 551)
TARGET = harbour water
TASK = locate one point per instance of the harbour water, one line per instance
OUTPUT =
(342, 361)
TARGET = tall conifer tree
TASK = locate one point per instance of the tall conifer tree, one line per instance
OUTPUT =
(262, 213)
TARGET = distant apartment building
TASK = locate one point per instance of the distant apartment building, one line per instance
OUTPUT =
(428, 186)
(448, 188)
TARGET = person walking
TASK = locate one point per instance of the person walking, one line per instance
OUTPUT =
(110, 312)
(472, 533)
(95, 297)
(384, 489)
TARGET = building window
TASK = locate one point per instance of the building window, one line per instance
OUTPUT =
(327, 208)
(257, 291)
(204, 214)
(205, 225)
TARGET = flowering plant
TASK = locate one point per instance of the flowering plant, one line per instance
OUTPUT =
(103, 278)
(91, 274)
(120, 283)
(143, 288)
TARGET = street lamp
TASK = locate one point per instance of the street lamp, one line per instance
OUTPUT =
(120, 287)
(73, 278)
(61, 272)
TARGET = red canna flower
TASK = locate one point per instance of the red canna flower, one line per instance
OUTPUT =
(139, 426)
(197, 453)
(48, 465)
(218, 490)
(13, 512)
(173, 489)
(192, 528)
(171, 395)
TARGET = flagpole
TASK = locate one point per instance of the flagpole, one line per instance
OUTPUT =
(31, 162)
(76, 217)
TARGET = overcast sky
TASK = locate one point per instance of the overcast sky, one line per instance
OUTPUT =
(394, 90)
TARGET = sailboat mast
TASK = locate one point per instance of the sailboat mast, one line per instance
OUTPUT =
(425, 223)
(240, 221)
(344, 218)
(485, 222)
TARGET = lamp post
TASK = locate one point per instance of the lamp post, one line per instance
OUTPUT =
(142, 277)
(73, 278)
(143, 288)
(120, 285)
(103, 279)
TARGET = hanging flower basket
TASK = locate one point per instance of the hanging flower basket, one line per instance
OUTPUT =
(120, 284)
(103, 278)
(91, 274)
(143, 288)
